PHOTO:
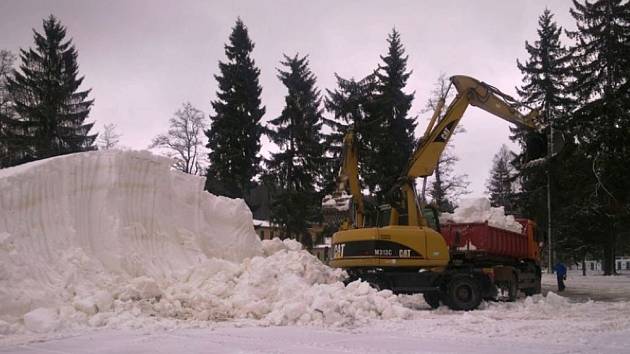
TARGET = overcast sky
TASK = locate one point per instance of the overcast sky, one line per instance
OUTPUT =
(143, 59)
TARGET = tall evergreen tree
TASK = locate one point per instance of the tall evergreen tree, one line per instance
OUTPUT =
(46, 97)
(601, 122)
(393, 129)
(546, 74)
(502, 182)
(235, 130)
(297, 131)
(348, 104)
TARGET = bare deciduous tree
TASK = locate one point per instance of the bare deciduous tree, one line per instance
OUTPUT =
(444, 187)
(7, 60)
(109, 138)
(6, 66)
(183, 141)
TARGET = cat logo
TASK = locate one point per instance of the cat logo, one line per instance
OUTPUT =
(338, 250)
(404, 253)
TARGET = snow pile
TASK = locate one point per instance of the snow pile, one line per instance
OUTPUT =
(118, 239)
(476, 210)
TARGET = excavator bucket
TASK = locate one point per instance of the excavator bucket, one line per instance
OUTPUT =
(337, 208)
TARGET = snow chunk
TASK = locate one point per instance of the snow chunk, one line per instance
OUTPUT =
(475, 210)
(90, 227)
(41, 320)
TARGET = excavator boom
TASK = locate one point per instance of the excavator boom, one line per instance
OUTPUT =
(469, 92)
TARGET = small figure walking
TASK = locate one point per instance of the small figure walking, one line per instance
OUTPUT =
(561, 274)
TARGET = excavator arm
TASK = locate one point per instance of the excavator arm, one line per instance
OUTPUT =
(469, 92)
(439, 131)
(337, 208)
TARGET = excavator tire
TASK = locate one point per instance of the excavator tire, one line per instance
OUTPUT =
(463, 293)
(432, 299)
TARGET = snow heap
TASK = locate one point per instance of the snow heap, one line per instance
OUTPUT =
(118, 239)
(475, 210)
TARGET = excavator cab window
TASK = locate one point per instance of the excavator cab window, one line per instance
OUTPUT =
(431, 215)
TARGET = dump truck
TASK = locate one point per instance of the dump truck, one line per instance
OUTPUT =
(407, 250)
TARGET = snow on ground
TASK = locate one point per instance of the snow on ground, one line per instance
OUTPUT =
(550, 324)
(112, 252)
(474, 210)
(593, 286)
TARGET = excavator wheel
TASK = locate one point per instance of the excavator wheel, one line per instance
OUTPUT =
(432, 299)
(463, 293)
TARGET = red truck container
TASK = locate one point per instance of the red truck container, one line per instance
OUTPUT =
(488, 240)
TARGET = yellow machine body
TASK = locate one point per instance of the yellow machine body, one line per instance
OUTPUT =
(389, 246)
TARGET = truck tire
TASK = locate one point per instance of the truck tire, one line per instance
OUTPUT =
(513, 290)
(432, 299)
(463, 293)
(535, 289)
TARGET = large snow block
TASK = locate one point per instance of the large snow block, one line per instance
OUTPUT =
(74, 223)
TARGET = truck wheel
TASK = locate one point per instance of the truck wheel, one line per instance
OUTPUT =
(512, 290)
(463, 293)
(432, 299)
(536, 289)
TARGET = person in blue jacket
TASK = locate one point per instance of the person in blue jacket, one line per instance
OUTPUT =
(561, 274)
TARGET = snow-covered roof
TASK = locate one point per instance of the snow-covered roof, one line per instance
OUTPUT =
(262, 223)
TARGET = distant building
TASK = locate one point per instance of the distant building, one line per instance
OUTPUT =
(621, 263)
(322, 250)
(266, 231)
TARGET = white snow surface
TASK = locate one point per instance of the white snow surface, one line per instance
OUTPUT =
(474, 210)
(119, 240)
(539, 324)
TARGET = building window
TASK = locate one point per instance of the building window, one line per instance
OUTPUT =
(592, 266)
(618, 265)
(628, 265)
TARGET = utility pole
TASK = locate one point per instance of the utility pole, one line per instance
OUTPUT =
(549, 238)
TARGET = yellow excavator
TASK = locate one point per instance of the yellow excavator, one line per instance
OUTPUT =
(405, 252)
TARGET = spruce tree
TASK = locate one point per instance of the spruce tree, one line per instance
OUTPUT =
(502, 182)
(296, 168)
(46, 98)
(546, 74)
(348, 104)
(393, 129)
(235, 130)
(601, 122)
